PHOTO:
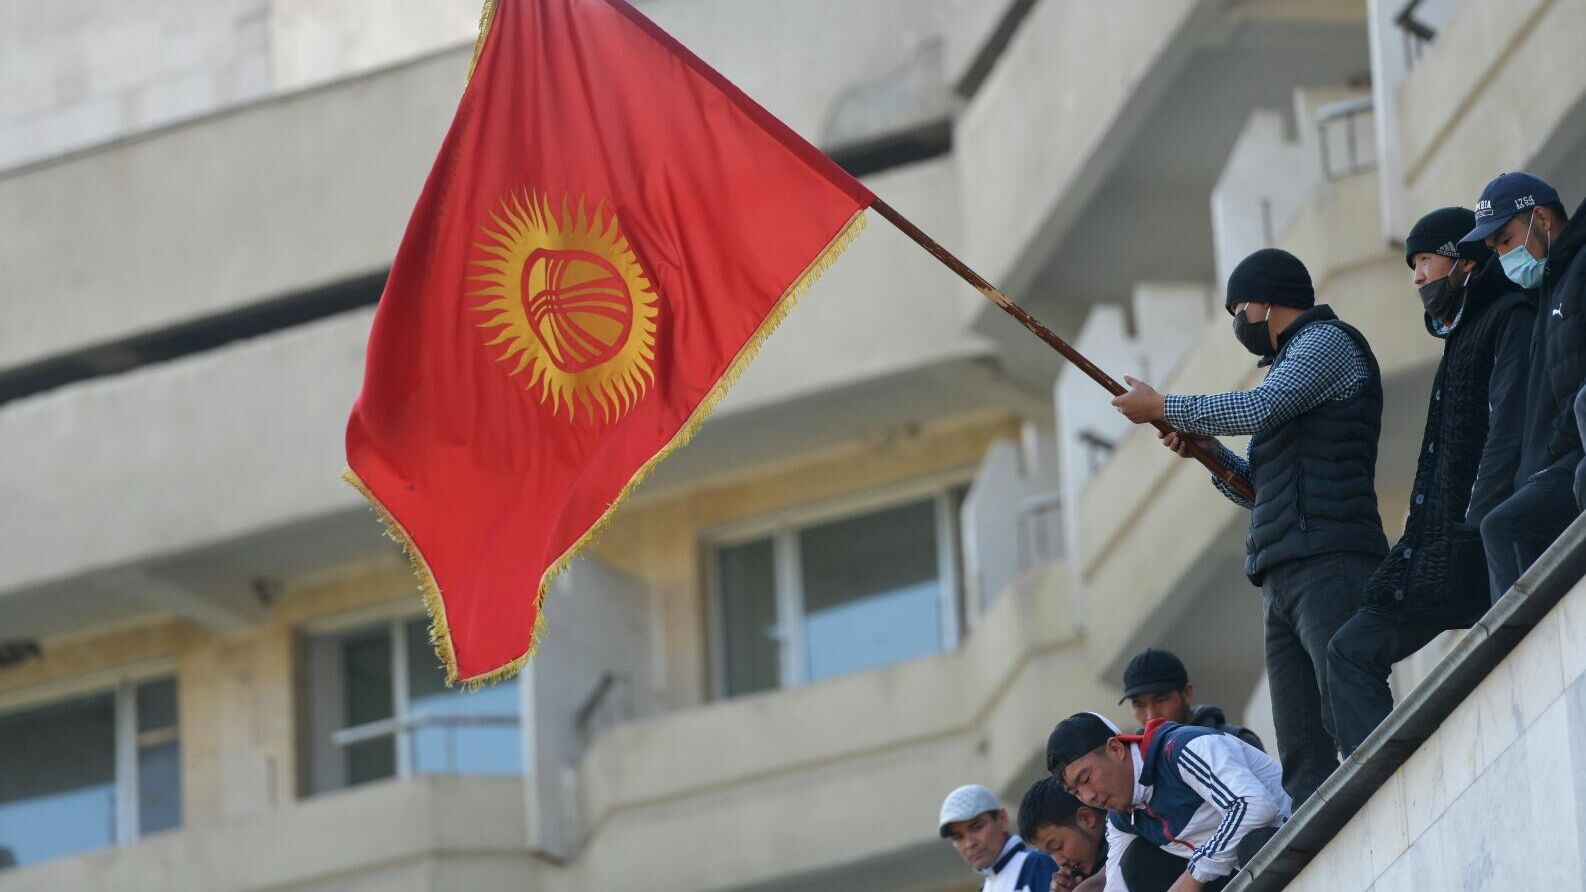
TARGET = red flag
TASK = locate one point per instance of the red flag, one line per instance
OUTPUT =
(609, 231)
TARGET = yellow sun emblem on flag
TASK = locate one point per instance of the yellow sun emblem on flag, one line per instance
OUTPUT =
(573, 305)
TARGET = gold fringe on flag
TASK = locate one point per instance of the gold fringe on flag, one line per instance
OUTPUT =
(487, 15)
(440, 633)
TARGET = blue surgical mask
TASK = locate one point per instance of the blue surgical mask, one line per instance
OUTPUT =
(1518, 264)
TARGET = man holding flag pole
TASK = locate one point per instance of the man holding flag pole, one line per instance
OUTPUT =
(1315, 533)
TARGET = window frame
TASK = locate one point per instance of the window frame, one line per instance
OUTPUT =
(782, 528)
(122, 684)
(392, 617)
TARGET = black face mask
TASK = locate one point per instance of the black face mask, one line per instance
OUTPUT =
(1256, 337)
(1442, 297)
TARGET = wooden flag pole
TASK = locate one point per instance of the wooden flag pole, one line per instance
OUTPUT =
(1050, 337)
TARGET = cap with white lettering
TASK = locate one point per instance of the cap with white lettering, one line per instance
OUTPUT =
(1508, 194)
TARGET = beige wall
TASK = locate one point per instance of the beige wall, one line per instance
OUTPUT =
(661, 543)
(1021, 171)
(1488, 95)
(72, 662)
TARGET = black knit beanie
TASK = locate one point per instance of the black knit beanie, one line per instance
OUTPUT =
(1271, 276)
(1440, 232)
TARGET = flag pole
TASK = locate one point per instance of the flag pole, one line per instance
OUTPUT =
(1050, 337)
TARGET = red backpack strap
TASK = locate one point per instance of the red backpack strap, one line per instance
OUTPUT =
(1143, 739)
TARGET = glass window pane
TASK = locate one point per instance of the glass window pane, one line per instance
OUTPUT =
(872, 594)
(370, 760)
(366, 668)
(57, 779)
(747, 576)
(366, 674)
(159, 787)
(157, 705)
(459, 747)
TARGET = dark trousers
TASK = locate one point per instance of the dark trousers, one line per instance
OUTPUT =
(1147, 868)
(1359, 660)
(1304, 603)
(1516, 532)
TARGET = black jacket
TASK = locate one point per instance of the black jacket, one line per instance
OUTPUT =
(1314, 475)
(1213, 717)
(1437, 572)
(1558, 353)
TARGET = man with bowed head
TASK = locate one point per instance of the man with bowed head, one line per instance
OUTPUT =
(1072, 833)
(1186, 805)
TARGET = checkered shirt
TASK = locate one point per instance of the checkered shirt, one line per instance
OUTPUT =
(1321, 363)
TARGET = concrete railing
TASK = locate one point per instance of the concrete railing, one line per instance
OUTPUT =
(1449, 791)
(1346, 135)
(459, 832)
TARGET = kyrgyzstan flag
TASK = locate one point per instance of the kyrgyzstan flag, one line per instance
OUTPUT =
(610, 230)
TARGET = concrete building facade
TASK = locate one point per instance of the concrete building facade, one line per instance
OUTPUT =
(907, 543)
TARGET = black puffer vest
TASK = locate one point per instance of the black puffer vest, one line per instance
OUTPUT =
(1315, 475)
(1437, 573)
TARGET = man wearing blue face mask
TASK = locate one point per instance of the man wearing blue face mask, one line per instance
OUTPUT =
(1521, 219)
(1435, 578)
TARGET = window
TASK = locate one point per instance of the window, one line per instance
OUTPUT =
(819, 596)
(89, 772)
(381, 709)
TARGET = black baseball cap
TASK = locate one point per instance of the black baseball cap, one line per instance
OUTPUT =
(1153, 672)
(1508, 194)
(1073, 738)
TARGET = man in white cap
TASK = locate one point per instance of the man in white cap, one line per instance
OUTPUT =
(976, 824)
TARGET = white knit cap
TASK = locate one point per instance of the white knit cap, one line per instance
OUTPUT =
(964, 803)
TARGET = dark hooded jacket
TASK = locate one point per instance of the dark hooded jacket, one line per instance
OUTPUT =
(1563, 307)
(1558, 355)
(1437, 573)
